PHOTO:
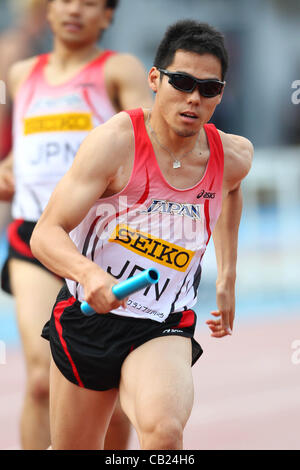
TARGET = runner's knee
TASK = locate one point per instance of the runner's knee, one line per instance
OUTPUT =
(38, 384)
(166, 433)
(119, 418)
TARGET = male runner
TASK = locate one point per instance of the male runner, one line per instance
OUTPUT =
(145, 189)
(28, 36)
(59, 97)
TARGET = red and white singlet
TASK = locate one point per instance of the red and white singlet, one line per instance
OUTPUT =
(50, 122)
(152, 224)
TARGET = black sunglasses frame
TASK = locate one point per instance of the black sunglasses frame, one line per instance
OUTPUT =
(196, 82)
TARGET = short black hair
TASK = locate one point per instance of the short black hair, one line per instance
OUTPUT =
(191, 36)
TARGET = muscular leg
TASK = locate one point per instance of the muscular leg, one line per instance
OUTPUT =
(79, 417)
(35, 291)
(5, 215)
(118, 434)
(156, 391)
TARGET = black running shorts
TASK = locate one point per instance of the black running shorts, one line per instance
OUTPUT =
(90, 350)
(18, 234)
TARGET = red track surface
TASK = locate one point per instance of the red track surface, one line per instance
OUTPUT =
(247, 390)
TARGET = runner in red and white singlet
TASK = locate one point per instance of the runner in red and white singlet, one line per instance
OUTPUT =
(151, 223)
(149, 188)
(50, 122)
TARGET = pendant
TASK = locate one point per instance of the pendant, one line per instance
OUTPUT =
(176, 164)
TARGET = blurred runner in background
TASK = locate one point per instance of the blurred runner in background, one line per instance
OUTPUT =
(58, 99)
(29, 35)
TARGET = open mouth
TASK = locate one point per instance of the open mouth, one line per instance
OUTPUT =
(71, 26)
(188, 115)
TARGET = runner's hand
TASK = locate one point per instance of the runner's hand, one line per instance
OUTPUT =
(98, 291)
(222, 324)
(7, 185)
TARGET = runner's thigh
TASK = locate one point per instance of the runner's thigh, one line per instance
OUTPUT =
(156, 382)
(79, 417)
(35, 291)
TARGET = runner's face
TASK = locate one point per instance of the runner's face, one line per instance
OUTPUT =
(174, 104)
(78, 22)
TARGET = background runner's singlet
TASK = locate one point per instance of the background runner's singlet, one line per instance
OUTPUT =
(152, 224)
(50, 122)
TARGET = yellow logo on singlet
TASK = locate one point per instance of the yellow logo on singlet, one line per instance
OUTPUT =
(58, 122)
(160, 251)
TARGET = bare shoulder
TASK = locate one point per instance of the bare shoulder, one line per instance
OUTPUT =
(238, 156)
(107, 147)
(13, 48)
(18, 73)
(121, 63)
(117, 130)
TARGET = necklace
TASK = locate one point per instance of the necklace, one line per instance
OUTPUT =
(176, 162)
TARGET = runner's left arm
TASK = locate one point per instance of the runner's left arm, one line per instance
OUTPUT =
(238, 157)
(225, 237)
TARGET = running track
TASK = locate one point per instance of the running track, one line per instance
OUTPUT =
(247, 390)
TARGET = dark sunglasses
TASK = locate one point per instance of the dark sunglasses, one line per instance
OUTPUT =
(183, 82)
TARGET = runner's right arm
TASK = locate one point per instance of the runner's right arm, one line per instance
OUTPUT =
(96, 165)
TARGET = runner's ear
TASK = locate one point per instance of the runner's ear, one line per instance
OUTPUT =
(153, 79)
(107, 18)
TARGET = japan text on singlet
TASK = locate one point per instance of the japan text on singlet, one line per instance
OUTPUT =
(50, 122)
(152, 224)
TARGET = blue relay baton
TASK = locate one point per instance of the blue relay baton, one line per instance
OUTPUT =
(125, 288)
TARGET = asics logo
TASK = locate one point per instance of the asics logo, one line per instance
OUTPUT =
(206, 195)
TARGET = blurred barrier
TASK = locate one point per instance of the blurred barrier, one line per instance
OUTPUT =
(274, 179)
